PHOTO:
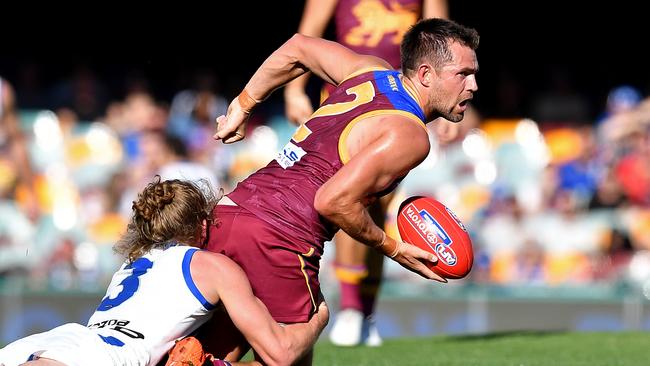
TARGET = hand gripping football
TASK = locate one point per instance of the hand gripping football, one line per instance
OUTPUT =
(430, 225)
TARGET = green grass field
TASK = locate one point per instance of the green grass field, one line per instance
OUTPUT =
(501, 349)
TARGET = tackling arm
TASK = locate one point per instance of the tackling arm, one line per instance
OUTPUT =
(275, 344)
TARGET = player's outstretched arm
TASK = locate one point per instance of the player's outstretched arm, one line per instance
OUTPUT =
(329, 60)
(399, 146)
(218, 277)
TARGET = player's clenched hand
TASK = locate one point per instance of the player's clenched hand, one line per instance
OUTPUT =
(232, 127)
(297, 105)
(414, 259)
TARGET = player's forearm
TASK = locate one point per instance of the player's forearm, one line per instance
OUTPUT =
(354, 219)
(294, 340)
(301, 337)
(351, 217)
(278, 69)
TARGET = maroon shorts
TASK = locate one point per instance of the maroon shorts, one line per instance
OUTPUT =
(286, 281)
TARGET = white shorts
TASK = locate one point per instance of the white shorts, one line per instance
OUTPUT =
(72, 344)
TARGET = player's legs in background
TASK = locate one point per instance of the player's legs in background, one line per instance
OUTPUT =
(359, 272)
(350, 270)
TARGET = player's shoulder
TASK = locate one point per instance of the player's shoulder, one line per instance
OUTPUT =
(367, 64)
(170, 250)
(370, 61)
(170, 255)
(212, 262)
(212, 272)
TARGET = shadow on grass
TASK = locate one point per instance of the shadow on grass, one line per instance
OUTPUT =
(506, 334)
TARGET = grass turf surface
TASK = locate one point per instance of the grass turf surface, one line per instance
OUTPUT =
(497, 349)
(502, 349)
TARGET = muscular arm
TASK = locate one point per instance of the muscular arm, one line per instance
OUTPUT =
(219, 278)
(329, 60)
(398, 148)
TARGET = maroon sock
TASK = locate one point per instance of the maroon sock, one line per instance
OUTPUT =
(368, 294)
(350, 278)
(350, 297)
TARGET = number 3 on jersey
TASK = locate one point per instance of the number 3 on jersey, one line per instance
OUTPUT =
(291, 153)
(129, 285)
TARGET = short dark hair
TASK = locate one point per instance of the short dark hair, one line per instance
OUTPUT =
(430, 39)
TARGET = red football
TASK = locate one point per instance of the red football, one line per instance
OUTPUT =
(427, 223)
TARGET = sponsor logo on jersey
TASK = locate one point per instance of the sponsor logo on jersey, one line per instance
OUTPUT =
(427, 227)
(289, 155)
(446, 254)
(453, 215)
(392, 82)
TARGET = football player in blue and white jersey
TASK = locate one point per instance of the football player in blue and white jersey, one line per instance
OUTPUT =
(164, 291)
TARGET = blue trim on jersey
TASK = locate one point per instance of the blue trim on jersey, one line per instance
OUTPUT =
(190, 282)
(112, 341)
(391, 86)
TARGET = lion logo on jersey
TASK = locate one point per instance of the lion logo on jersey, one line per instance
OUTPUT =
(377, 20)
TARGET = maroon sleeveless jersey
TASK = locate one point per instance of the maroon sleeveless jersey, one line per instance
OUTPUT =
(282, 193)
(375, 27)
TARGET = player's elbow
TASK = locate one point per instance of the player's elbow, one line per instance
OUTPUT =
(325, 204)
(293, 47)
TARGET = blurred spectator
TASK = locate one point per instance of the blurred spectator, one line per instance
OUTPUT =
(29, 89)
(195, 109)
(581, 175)
(609, 194)
(560, 103)
(620, 99)
(83, 93)
(570, 237)
(139, 112)
(17, 178)
(633, 169)
(17, 235)
(517, 259)
(58, 269)
(509, 96)
(192, 118)
(166, 155)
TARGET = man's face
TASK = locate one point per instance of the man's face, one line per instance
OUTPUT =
(455, 83)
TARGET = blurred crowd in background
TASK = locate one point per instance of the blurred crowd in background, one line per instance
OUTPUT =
(550, 195)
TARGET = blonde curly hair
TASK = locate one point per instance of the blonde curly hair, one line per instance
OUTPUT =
(167, 211)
